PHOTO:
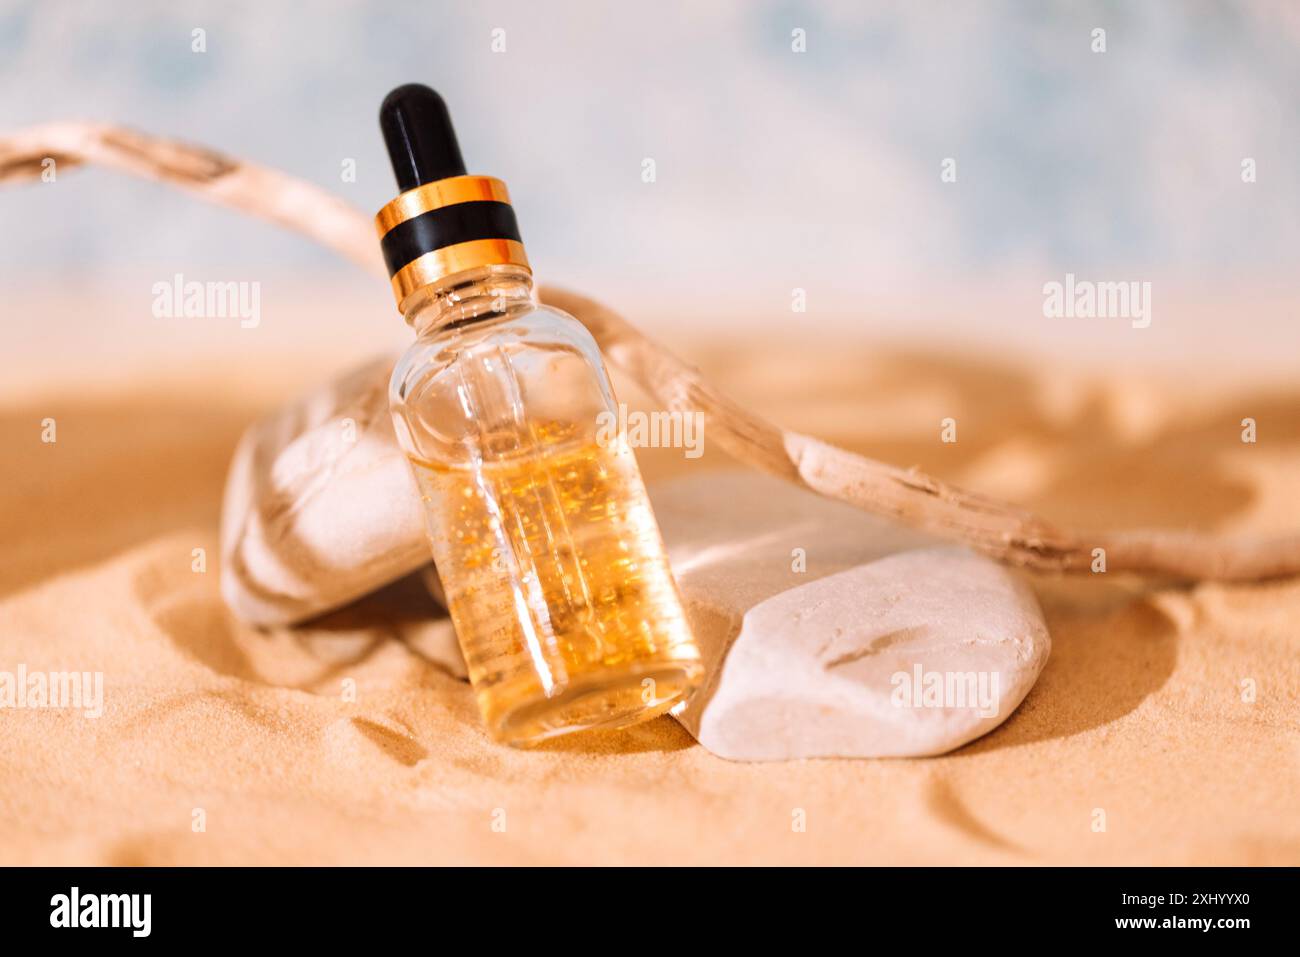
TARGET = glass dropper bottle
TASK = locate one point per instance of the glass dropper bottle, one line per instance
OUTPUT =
(552, 563)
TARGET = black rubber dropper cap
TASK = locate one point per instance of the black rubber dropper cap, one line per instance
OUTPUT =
(420, 139)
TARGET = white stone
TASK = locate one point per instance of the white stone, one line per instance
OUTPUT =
(816, 663)
(320, 507)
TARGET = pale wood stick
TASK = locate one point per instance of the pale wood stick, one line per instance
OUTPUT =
(256, 190)
(997, 529)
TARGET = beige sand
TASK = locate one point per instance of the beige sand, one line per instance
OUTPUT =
(1139, 713)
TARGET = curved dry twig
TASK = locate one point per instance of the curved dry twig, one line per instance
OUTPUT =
(998, 529)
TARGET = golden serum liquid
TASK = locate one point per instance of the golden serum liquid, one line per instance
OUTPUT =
(559, 588)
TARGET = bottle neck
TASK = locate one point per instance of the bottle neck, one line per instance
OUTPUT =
(470, 296)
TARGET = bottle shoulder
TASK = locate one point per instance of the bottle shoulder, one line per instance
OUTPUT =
(532, 328)
(498, 387)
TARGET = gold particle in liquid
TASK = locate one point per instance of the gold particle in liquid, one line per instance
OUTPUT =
(559, 589)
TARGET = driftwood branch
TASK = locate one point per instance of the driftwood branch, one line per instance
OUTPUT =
(998, 529)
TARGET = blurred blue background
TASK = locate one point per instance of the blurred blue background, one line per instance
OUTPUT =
(775, 169)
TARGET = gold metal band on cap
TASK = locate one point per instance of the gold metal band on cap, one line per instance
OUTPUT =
(435, 195)
(436, 265)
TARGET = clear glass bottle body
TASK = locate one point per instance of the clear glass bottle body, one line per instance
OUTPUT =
(554, 570)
